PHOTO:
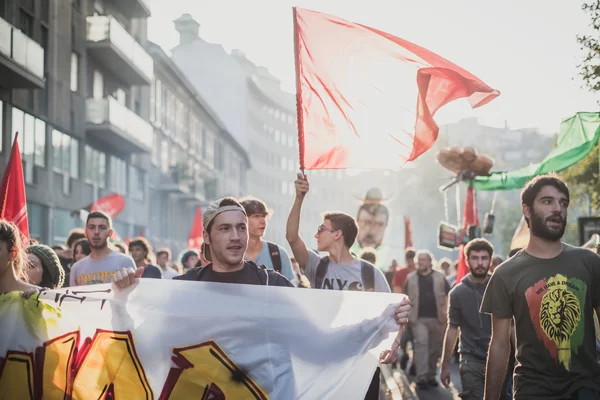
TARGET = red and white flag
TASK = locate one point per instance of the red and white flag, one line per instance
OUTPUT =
(196, 239)
(13, 203)
(366, 99)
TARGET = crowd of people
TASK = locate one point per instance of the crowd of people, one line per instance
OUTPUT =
(521, 328)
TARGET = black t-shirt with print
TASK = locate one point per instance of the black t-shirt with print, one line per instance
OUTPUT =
(250, 274)
(552, 302)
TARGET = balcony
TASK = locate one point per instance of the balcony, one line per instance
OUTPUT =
(110, 44)
(133, 8)
(21, 59)
(118, 126)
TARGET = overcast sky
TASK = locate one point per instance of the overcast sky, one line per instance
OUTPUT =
(525, 49)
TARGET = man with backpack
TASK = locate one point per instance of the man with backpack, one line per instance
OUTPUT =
(340, 270)
(260, 251)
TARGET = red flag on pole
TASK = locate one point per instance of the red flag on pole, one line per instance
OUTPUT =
(470, 217)
(127, 240)
(195, 240)
(13, 203)
(408, 242)
(366, 99)
(112, 204)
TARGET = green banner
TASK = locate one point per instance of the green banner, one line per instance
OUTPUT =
(578, 136)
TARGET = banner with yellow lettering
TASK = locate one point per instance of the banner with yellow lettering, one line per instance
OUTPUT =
(179, 340)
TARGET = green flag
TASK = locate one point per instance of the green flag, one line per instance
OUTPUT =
(578, 136)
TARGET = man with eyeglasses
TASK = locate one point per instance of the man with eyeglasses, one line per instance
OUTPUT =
(340, 270)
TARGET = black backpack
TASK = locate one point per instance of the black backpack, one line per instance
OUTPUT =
(367, 272)
(275, 256)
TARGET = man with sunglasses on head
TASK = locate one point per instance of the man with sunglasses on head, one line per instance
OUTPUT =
(340, 270)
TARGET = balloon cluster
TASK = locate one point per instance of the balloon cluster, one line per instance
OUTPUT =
(460, 160)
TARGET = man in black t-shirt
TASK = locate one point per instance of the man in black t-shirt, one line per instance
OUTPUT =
(551, 290)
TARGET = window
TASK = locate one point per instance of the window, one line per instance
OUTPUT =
(153, 100)
(284, 163)
(277, 136)
(156, 150)
(164, 156)
(291, 164)
(118, 175)
(26, 23)
(32, 141)
(98, 85)
(66, 154)
(159, 103)
(284, 188)
(95, 167)
(219, 156)
(137, 179)
(45, 10)
(74, 72)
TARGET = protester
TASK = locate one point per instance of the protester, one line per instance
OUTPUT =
(340, 270)
(552, 290)
(402, 273)
(81, 249)
(141, 252)
(189, 259)
(103, 262)
(65, 255)
(12, 260)
(496, 261)
(369, 255)
(260, 251)
(121, 248)
(44, 267)
(163, 259)
(465, 321)
(428, 291)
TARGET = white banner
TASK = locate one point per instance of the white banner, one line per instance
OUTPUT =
(179, 340)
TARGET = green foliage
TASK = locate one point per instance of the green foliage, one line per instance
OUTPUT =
(583, 180)
(590, 44)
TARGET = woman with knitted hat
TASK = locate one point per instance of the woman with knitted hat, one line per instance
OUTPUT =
(45, 269)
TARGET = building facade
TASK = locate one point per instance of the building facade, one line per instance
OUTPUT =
(72, 78)
(194, 159)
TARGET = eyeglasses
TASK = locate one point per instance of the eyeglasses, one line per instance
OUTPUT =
(322, 228)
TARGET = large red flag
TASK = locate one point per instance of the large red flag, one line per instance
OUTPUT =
(470, 217)
(13, 203)
(195, 240)
(112, 205)
(366, 99)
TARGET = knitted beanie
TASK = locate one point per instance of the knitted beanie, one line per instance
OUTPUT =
(50, 264)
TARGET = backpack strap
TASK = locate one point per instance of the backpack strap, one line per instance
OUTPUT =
(367, 272)
(321, 272)
(275, 256)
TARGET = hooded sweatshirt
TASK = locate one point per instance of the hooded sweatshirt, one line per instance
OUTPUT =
(463, 312)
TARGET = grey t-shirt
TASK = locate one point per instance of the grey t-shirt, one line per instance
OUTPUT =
(88, 272)
(343, 276)
(464, 302)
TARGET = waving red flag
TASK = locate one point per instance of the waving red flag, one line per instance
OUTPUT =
(195, 240)
(470, 218)
(366, 99)
(112, 204)
(13, 203)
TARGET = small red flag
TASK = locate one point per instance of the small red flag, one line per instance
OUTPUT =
(470, 217)
(196, 239)
(13, 203)
(408, 242)
(366, 99)
(127, 240)
(112, 205)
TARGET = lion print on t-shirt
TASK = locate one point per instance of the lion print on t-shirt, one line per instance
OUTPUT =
(555, 306)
